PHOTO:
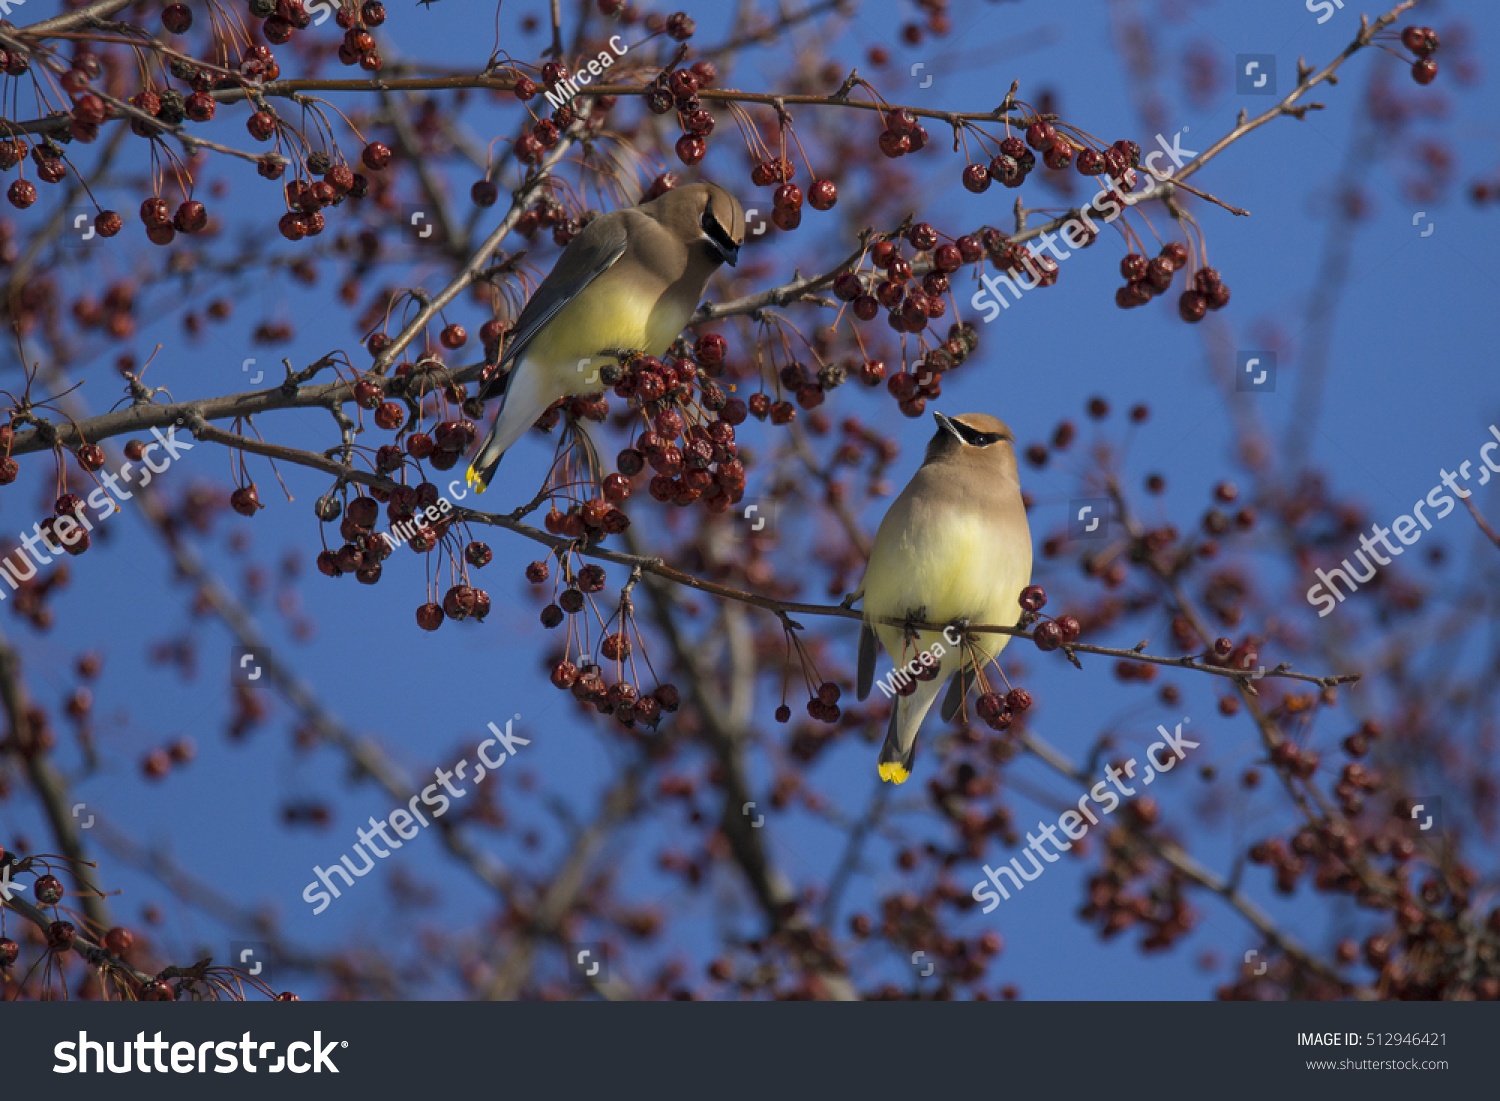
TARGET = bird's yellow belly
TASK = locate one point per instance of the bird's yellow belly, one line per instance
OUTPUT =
(614, 317)
(955, 571)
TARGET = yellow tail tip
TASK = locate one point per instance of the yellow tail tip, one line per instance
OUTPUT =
(473, 479)
(894, 771)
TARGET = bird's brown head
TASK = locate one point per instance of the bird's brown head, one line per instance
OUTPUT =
(974, 438)
(705, 214)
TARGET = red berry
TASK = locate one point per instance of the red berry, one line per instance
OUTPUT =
(245, 500)
(1424, 71)
(1089, 162)
(156, 764)
(21, 193)
(191, 217)
(90, 457)
(118, 940)
(691, 149)
(177, 18)
(390, 415)
(430, 616)
(1047, 636)
(1192, 306)
(156, 212)
(1033, 598)
(377, 155)
(1041, 136)
(484, 193)
(61, 935)
(200, 106)
(900, 121)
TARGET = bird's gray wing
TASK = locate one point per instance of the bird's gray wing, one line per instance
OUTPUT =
(588, 256)
(958, 688)
(866, 676)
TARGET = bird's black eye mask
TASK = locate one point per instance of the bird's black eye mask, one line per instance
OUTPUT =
(975, 438)
(727, 249)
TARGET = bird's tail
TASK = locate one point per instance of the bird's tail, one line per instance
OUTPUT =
(900, 748)
(521, 404)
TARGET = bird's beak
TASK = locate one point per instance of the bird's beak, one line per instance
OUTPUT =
(946, 422)
(730, 253)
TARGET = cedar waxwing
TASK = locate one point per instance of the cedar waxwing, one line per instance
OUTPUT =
(955, 546)
(627, 284)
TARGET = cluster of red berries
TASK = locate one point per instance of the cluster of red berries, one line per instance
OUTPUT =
(113, 313)
(593, 519)
(450, 438)
(66, 529)
(544, 133)
(1422, 41)
(363, 549)
(307, 200)
(923, 380)
(693, 457)
(1050, 633)
(459, 602)
(679, 90)
(1208, 292)
(620, 699)
(787, 199)
(1145, 279)
(50, 168)
(359, 47)
(60, 934)
(547, 213)
(902, 133)
(1039, 269)
(1355, 781)
(1015, 159)
(998, 711)
(1160, 907)
(823, 706)
(163, 224)
(167, 105)
(910, 302)
(156, 764)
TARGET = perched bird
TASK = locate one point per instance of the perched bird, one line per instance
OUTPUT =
(954, 547)
(627, 284)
